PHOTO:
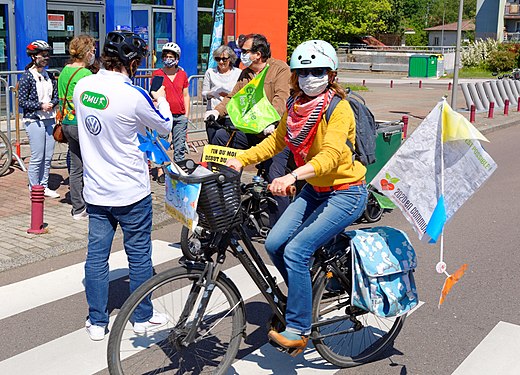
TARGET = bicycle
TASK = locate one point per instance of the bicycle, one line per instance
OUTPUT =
(254, 203)
(206, 313)
(6, 154)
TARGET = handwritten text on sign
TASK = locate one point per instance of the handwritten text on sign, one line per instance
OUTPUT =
(219, 154)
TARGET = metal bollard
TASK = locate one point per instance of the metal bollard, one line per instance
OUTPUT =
(506, 107)
(472, 114)
(420, 84)
(491, 109)
(404, 119)
(364, 83)
(37, 201)
(449, 86)
(391, 83)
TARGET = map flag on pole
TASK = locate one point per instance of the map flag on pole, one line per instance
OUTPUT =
(436, 170)
(249, 109)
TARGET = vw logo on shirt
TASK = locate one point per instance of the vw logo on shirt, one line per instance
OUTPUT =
(93, 124)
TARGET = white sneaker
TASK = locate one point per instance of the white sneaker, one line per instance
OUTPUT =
(50, 193)
(96, 333)
(82, 215)
(157, 321)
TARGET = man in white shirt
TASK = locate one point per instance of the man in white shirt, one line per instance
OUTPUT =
(111, 111)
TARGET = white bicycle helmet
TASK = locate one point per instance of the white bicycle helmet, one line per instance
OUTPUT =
(314, 54)
(36, 47)
(172, 47)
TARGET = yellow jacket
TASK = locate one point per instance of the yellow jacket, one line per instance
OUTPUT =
(329, 154)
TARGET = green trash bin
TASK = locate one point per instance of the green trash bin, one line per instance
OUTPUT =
(389, 138)
(422, 66)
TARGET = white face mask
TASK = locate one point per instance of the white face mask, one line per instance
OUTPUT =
(313, 86)
(92, 59)
(246, 60)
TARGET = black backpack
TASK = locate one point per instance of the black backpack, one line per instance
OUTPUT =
(366, 129)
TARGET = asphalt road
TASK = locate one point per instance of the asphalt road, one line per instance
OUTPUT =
(484, 234)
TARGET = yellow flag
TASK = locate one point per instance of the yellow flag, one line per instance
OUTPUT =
(456, 127)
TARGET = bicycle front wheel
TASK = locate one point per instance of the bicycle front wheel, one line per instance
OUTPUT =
(344, 335)
(177, 294)
(6, 153)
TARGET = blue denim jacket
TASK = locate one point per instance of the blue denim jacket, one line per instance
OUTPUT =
(28, 96)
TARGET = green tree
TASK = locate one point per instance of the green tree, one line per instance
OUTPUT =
(335, 21)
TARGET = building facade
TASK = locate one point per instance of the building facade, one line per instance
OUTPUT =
(189, 23)
(489, 21)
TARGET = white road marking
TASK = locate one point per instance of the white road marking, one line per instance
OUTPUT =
(496, 354)
(76, 354)
(52, 286)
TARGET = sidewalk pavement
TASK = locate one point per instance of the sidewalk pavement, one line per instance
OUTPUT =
(18, 248)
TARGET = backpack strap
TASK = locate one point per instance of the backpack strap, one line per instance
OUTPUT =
(332, 105)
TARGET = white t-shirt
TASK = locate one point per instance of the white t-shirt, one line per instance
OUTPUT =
(44, 89)
(215, 81)
(110, 112)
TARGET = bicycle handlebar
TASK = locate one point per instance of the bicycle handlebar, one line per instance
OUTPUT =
(224, 173)
(211, 122)
(289, 190)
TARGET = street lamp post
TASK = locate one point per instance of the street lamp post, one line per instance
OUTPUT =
(457, 58)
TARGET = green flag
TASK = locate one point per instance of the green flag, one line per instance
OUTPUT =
(249, 109)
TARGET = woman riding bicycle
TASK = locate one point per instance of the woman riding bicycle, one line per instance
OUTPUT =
(335, 194)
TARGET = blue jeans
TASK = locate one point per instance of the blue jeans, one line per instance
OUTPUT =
(179, 136)
(308, 223)
(136, 223)
(41, 142)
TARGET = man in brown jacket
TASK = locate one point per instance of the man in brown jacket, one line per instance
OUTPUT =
(256, 55)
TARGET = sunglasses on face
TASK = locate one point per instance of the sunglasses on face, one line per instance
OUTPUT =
(316, 72)
(244, 51)
(45, 56)
(219, 59)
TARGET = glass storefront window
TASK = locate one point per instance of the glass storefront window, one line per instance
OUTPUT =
(162, 33)
(60, 30)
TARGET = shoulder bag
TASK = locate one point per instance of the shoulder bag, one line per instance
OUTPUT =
(57, 132)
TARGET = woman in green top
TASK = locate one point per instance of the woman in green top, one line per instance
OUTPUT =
(82, 51)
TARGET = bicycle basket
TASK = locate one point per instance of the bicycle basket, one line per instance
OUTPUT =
(219, 198)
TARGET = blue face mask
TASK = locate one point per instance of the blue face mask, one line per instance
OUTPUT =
(170, 62)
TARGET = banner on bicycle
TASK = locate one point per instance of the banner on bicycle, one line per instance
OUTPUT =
(181, 201)
(249, 109)
(219, 154)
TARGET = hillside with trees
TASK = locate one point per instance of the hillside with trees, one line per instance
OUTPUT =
(343, 21)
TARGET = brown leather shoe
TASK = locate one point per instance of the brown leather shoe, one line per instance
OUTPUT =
(294, 347)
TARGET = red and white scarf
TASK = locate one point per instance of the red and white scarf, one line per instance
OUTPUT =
(303, 117)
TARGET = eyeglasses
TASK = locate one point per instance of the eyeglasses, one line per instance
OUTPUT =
(316, 72)
(219, 59)
(244, 51)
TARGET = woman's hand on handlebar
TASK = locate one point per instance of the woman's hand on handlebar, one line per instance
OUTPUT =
(234, 163)
(282, 186)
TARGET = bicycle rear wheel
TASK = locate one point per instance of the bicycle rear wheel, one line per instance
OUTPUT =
(176, 292)
(344, 335)
(6, 154)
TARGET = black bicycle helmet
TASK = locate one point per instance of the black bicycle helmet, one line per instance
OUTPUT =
(125, 45)
(36, 47)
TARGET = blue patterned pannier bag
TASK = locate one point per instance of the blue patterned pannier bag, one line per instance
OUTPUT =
(383, 261)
